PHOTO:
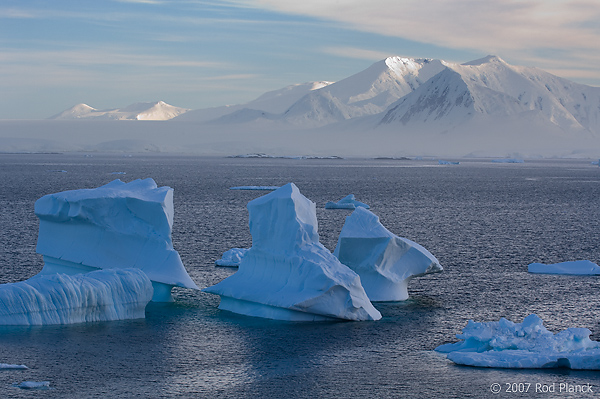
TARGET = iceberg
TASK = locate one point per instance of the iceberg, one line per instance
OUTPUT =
(348, 202)
(118, 225)
(385, 262)
(504, 344)
(58, 298)
(288, 274)
(576, 267)
(232, 257)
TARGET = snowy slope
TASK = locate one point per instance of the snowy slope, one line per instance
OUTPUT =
(272, 102)
(366, 93)
(490, 86)
(157, 111)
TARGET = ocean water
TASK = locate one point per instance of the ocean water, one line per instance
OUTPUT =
(484, 221)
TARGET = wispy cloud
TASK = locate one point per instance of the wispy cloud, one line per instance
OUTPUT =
(357, 53)
(510, 28)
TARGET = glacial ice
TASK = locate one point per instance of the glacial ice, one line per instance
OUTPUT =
(232, 257)
(348, 202)
(118, 225)
(288, 274)
(102, 295)
(529, 344)
(576, 267)
(385, 262)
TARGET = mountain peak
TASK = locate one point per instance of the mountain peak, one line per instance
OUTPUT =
(489, 59)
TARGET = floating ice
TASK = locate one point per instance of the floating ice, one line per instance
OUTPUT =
(288, 274)
(100, 295)
(576, 267)
(348, 202)
(41, 385)
(6, 366)
(232, 257)
(442, 162)
(266, 188)
(118, 225)
(529, 344)
(385, 262)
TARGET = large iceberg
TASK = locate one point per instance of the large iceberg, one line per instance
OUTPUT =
(118, 225)
(385, 262)
(100, 295)
(529, 344)
(576, 267)
(288, 274)
(348, 202)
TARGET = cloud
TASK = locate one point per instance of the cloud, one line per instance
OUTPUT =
(510, 28)
(355, 52)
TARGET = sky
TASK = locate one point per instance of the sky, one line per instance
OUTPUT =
(204, 53)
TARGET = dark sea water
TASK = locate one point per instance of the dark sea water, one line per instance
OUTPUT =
(484, 221)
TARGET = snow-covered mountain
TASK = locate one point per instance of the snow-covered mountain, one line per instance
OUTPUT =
(366, 93)
(272, 102)
(491, 87)
(157, 111)
(396, 107)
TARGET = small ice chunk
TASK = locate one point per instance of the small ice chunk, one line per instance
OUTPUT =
(529, 344)
(576, 267)
(288, 274)
(348, 202)
(442, 162)
(232, 257)
(385, 262)
(6, 366)
(41, 385)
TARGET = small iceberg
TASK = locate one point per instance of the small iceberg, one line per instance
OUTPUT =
(288, 274)
(504, 344)
(385, 262)
(576, 267)
(39, 385)
(266, 188)
(232, 257)
(348, 202)
(6, 366)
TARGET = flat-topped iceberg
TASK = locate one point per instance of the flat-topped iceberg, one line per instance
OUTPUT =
(232, 257)
(385, 262)
(529, 344)
(100, 295)
(118, 225)
(288, 274)
(576, 267)
(348, 202)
